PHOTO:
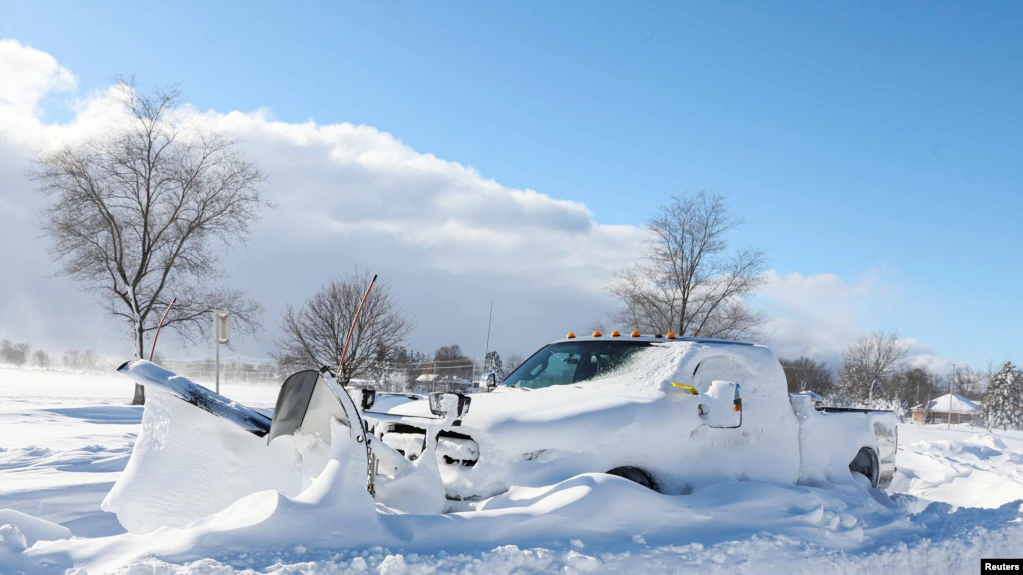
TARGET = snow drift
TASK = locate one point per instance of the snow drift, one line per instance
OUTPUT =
(587, 523)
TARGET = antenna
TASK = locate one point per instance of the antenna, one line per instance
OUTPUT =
(490, 321)
(951, 388)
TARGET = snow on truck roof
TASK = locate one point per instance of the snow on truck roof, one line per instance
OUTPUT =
(657, 338)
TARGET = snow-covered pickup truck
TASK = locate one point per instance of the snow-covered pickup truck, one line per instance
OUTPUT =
(670, 414)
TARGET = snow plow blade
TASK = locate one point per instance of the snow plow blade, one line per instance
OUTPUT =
(309, 400)
(150, 374)
(315, 445)
(293, 403)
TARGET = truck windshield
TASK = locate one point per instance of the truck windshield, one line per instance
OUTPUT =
(572, 362)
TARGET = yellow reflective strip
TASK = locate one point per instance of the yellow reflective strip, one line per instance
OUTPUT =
(691, 389)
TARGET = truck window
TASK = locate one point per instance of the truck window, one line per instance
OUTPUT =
(572, 362)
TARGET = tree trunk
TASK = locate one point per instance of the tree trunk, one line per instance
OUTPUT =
(140, 391)
(140, 395)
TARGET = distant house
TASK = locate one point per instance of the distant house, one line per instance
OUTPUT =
(429, 382)
(938, 410)
(425, 383)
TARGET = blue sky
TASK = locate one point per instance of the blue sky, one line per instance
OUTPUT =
(853, 137)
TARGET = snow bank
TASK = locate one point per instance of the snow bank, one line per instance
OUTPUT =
(32, 529)
(19, 532)
(755, 529)
(589, 523)
(964, 466)
(765, 554)
(53, 387)
(585, 523)
(595, 509)
(188, 464)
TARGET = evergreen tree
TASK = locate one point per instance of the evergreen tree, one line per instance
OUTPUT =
(1003, 402)
(492, 364)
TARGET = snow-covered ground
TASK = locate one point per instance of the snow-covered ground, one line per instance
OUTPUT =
(65, 438)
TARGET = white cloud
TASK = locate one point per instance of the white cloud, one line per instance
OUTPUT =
(447, 239)
(820, 315)
(921, 355)
(29, 74)
(814, 315)
(357, 181)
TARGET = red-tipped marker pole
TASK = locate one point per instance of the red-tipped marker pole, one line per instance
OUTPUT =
(351, 332)
(152, 351)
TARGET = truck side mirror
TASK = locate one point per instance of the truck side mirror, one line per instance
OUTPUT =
(369, 397)
(723, 409)
(491, 381)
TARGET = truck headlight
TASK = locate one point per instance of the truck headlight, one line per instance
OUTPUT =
(444, 402)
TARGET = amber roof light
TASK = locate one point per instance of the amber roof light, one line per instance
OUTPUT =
(570, 336)
(615, 333)
(635, 333)
(671, 335)
(597, 333)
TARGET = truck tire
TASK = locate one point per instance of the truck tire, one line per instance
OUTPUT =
(635, 475)
(865, 463)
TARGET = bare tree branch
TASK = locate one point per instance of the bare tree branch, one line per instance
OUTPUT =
(806, 374)
(870, 362)
(135, 216)
(688, 282)
(314, 334)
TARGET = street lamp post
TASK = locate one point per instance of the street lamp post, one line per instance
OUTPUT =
(951, 386)
(221, 334)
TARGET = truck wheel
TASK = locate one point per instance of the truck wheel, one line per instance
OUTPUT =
(635, 475)
(865, 463)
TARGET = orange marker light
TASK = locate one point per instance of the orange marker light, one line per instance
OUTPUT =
(671, 335)
(570, 336)
(635, 333)
(615, 333)
(597, 333)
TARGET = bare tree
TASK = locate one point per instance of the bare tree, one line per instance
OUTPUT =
(449, 353)
(80, 360)
(869, 363)
(805, 374)
(688, 281)
(314, 334)
(397, 369)
(449, 363)
(968, 383)
(512, 363)
(15, 354)
(41, 358)
(136, 214)
(915, 385)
